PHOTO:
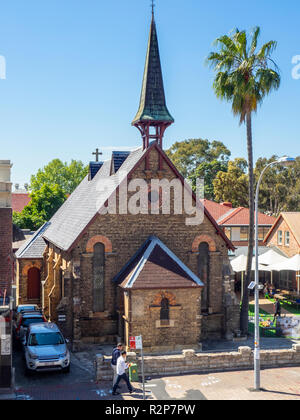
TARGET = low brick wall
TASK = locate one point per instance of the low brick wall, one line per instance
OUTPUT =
(191, 362)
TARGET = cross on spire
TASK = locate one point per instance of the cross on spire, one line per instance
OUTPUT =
(97, 154)
(152, 6)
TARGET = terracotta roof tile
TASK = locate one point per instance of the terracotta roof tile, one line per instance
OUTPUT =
(19, 201)
(226, 216)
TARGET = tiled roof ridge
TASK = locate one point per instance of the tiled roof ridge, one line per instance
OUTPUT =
(230, 214)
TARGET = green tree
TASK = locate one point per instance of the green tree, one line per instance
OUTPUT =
(43, 205)
(188, 155)
(275, 186)
(232, 185)
(208, 171)
(244, 77)
(293, 197)
(67, 176)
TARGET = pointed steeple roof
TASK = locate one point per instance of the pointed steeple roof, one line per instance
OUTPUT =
(153, 106)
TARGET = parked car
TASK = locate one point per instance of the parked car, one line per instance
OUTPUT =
(25, 308)
(46, 349)
(23, 321)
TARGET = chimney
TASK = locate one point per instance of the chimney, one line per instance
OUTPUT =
(227, 204)
(6, 229)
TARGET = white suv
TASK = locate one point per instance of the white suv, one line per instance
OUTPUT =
(46, 349)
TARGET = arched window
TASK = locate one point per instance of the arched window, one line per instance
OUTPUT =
(33, 284)
(165, 310)
(203, 272)
(98, 277)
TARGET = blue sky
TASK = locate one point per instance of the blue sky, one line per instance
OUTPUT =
(74, 74)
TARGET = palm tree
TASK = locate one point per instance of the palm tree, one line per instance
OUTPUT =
(244, 76)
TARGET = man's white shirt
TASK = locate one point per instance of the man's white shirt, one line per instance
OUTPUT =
(121, 366)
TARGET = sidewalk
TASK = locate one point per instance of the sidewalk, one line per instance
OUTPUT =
(277, 384)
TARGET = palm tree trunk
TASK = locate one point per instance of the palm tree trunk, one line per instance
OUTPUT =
(245, 301)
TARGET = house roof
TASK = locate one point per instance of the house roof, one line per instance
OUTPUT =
(19, 201)
(85, 203)
(241, 217)
(293, 221)
(35, 246)
(228, 216)
(216, 209)
(153, 102)
(155, 266)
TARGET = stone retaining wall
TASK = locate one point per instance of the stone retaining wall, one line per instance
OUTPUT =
(191, 362)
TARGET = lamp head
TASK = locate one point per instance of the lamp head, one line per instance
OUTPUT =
(286, 161)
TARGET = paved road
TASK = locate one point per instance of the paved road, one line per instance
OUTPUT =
(79, 384)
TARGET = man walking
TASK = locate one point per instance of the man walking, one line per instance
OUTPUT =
(121, 368)
(115, 355)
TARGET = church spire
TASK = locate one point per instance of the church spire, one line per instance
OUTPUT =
(153, 111)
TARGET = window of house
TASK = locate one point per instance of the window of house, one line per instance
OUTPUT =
(287, 239)
(279, 237)
(244, 234)
(262, 232)
(98, 277)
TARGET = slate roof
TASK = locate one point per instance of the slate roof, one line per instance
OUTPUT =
(153, 102)
(155, 266)
(35, 246)
(86, 201)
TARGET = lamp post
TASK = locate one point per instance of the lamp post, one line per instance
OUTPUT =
(284, 161)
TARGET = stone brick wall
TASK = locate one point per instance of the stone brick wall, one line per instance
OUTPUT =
(191, 362)
(184, 327)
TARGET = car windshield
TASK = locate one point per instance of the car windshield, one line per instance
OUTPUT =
(28, 321)
(46, 339)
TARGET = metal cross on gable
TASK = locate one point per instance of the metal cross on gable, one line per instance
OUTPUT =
(97, 154)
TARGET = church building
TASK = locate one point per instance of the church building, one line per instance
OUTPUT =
(104, 273)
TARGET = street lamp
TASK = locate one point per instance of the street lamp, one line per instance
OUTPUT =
(284, 161)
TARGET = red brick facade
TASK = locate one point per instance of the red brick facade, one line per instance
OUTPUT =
(6, 258)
